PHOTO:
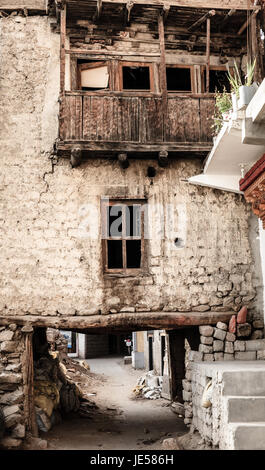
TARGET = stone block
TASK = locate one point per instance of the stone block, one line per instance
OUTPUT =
(207, 340)
(188, 375)
(261, 355)
(10, 443)
(230, 337)
(187, 396)
(186, 385)
(206, 330)
(12, 420)
(203, 348)
(246, 356)
(218, 345)
(10, 410)
(229, 347)
(243, 330)
(8, 346)
(14, 367)
(257, 334)
(258, 324)
(219, 356)
(242, 315)
(6, 335)
(195, 356)
(208, 357)
(240, 345)
(10, 378)
(228, 357)
(219, 334)
(18, 431)
(12, 398)
(221, 326)
(255, 345)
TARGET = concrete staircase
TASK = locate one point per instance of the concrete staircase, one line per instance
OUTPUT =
(244, 407)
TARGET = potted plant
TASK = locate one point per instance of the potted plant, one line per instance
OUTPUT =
(223, 109)
(242, 93)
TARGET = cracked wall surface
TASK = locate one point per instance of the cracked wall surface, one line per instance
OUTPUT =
(49, 266)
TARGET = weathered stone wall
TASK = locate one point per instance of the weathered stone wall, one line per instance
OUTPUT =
(49, 266)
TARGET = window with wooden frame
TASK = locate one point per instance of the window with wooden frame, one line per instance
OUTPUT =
(218, 79)
(93, 75)
(136, 76)
(180, 78)
(123, 236)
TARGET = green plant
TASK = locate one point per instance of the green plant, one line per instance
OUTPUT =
(223, 104)
(236, 81)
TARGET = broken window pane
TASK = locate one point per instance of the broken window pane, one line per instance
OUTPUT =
(135, 78)
(178, 79)
(133, 253)
(97, 77)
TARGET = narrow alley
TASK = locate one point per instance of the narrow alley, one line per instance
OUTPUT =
(121, 421)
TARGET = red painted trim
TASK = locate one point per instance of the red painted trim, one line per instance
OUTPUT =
(254, 172)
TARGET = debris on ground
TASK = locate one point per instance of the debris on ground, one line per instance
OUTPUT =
(149, 386)
(171, 443)
(178, 408)
(193, 441)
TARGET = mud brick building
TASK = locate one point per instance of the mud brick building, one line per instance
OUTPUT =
(108, 105)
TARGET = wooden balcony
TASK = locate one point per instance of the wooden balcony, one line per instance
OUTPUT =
(136, 122)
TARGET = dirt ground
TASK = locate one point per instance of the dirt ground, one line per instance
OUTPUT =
(119, 421)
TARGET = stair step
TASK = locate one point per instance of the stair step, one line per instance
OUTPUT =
(246, 409)
(244, 383)
(248, 436)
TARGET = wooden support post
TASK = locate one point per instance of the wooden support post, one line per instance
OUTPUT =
(123, 160)
(62, 49)
(127, 12)
(28, 382)
(254, 47)
(208, 29)
(98, 10)
(162, 68)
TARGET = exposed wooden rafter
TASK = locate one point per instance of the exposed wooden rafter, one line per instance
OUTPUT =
(246, 23)
(202, 20)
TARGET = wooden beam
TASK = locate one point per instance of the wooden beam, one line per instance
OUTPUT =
(122, 321)
(209, 4)
(62, 49)
(127, 12)
(246, 23)
(97, 146)
(162, 67)
(163, 158)
(208, 28)
(98, 10)
(123, 160)
(202, 19)
(227, 16)
(28, 383)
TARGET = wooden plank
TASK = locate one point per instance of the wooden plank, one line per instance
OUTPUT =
(31, 5)
(174, 124)
(208, 29)
(28, 386)
(135, 147)
(162, 70)
(206, 119)
(224, 5)
(62, 49)
(138, 320)
(202, 19)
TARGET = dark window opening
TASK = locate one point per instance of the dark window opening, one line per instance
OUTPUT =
(218, 81)
(123, 239)
(150, 344)
(135, 78)
(115, 260)
(133, 253)
(178, 79)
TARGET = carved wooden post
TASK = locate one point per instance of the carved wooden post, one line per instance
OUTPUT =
(28, 382)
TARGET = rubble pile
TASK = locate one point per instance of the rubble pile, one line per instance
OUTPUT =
(149, 386)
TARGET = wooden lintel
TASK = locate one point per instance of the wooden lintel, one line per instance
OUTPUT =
(135, 147)
(62, 48)
(122, 321)
(202, 19)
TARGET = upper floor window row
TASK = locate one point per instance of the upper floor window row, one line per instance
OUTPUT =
(143, 76)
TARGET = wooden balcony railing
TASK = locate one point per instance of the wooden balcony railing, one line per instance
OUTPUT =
(100, 121)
